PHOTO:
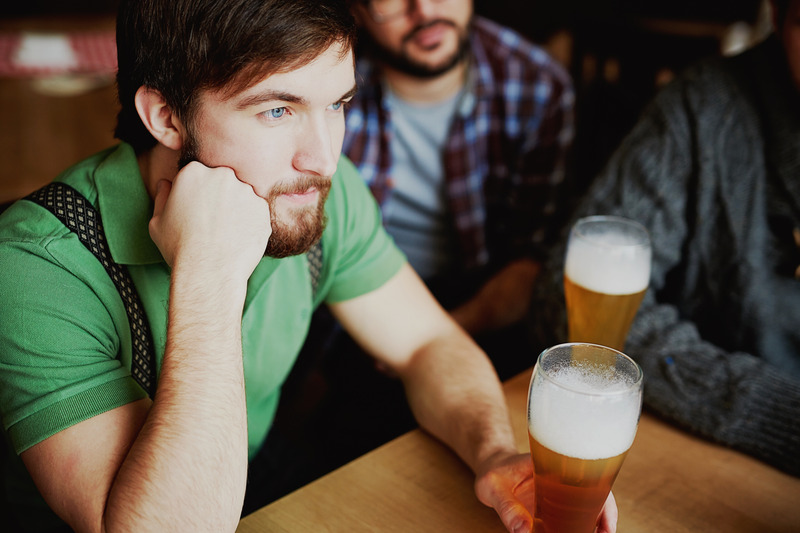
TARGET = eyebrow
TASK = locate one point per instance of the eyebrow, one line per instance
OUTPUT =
(281, 96)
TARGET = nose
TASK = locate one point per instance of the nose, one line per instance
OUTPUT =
(318, 147)
(422, 9)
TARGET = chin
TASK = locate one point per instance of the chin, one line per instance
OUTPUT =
(297, 238)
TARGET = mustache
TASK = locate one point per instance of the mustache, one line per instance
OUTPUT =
(299, 186)
(424, 26)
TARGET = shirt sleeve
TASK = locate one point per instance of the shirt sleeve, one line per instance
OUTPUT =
(359, 255)
(59, 357)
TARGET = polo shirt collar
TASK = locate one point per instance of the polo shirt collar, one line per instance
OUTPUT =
(126, 208)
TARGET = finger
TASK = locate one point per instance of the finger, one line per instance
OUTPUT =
(511, 511)
(607, 522)
(509, 490)
(515, 517)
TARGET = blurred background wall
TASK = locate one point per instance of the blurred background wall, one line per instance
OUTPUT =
(17, 8)
(619, 52)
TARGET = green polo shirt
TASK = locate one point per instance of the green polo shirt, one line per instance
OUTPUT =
(65, 348)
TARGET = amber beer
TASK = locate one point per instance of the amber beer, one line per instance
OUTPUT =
(599, 317)
(606, 273)
(574, 489)
(583, 410)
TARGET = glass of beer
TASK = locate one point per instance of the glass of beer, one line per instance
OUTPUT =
(584, 403)
(606, 273)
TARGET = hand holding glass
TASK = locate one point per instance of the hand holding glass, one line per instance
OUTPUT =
(584, 403)
(606, 273)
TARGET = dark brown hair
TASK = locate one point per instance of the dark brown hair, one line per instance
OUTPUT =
(181, 47)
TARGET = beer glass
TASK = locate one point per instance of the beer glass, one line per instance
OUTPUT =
(584, 402)
(606, 273)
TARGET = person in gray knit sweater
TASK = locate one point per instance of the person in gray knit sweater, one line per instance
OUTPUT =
(712, 169)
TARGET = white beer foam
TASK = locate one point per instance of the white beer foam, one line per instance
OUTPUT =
(600, 267)
(568, 422)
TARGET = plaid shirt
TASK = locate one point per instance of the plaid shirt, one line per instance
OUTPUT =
(505, 156)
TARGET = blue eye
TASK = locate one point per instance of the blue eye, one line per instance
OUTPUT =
(337, 106)
(278, 112)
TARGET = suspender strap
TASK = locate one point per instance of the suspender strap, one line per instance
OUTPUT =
(315, 263)
(75, 212)
(72, 209)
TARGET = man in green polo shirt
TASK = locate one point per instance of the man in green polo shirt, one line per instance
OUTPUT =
(229, 171)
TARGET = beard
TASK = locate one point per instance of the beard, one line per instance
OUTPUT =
(305, 225)
(403, 62)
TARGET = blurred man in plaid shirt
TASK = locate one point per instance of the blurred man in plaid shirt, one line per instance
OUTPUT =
(461, 128)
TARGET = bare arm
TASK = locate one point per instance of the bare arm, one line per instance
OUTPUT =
(452, 387)
(453, 391)
(450, 383)
(179, 463)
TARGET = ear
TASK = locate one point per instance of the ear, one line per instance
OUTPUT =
(158, 118)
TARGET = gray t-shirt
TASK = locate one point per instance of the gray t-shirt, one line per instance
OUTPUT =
(416, 212)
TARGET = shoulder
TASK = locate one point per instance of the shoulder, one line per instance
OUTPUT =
(31, 225)
(346, 179)
(714, 89)
(510, 55)
(39, 254)
(350, 202)
(41, 250)
(359, 256)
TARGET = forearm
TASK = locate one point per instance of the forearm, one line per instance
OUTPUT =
(187, 468)
(451, 385)
(455, 395)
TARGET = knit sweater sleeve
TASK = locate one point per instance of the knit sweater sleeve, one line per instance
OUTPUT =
(733, 398)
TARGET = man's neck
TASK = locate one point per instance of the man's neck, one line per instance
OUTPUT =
(156, 164)
(426, 90)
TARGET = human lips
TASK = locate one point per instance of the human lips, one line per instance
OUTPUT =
(304, 197)
(430, 35)
(304, 190)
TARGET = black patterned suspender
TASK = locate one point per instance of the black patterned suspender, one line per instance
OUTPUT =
(314, 256)
(71, 208)
(75, 211)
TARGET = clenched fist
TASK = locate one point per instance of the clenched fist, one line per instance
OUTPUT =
(208, 217)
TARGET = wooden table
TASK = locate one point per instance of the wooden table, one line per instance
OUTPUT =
(670, 482)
